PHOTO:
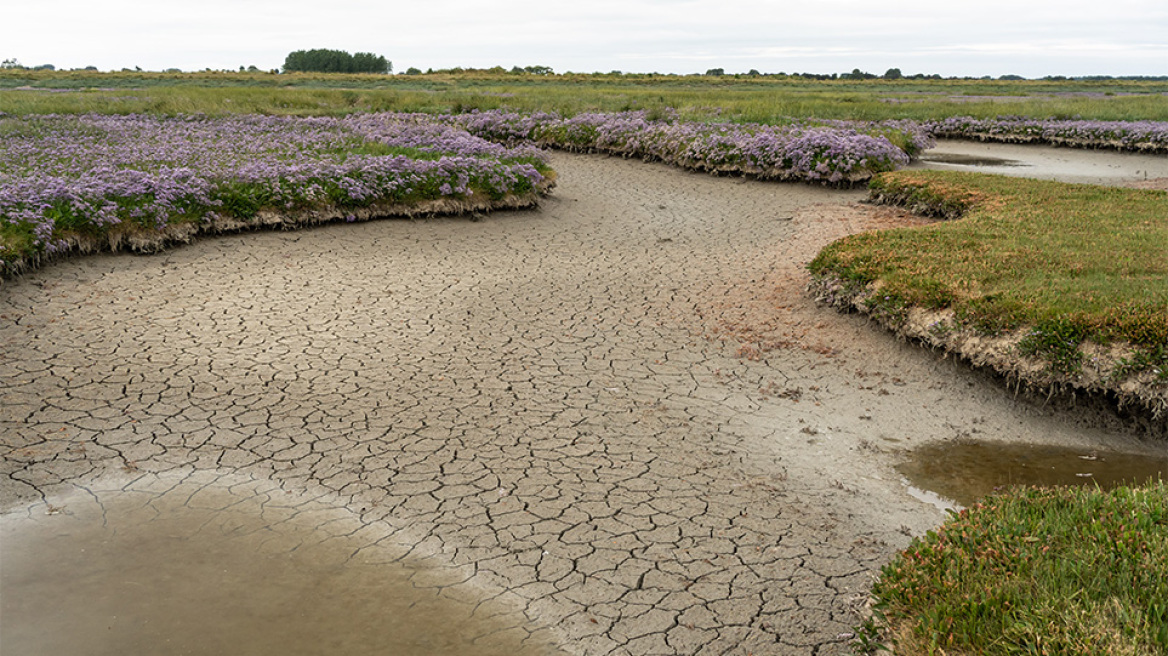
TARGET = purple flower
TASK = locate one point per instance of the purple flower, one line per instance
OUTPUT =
(63, 175)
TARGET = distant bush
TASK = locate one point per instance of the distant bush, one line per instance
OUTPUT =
(335, 61)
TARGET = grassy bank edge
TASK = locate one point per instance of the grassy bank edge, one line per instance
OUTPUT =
(128, 238)
(1071, 570)
(1050, 358)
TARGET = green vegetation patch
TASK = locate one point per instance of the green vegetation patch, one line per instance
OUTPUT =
(91, 182)
(1070, 263)
(1033, 571)
(773, 99)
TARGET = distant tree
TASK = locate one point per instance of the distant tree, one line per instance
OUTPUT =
(413, 71)
(10, 63)
(367, 62)
(515, 70)
(893, 74)
(44, 67)
(753, 72)
(857, 74)
(539, 70)
(335, 61)
(716, 71)
(1011, 77)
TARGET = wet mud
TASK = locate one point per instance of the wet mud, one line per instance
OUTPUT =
(224, 565)
(1102, 167)
(965, 471)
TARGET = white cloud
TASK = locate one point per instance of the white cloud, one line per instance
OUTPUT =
(952, 38)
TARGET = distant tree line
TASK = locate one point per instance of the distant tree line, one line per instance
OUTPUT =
(12, 63)
(335, 61)
(339, 61)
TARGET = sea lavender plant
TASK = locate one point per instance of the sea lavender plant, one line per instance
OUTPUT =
(1140, 136)
(836, 152)
(66, 178)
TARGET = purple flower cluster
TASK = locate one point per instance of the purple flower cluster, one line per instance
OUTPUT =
(1140, 136)
(835, 152)
(908, 135)
(65, 176)
(422, 132)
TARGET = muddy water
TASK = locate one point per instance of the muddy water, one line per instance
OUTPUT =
(962, 472)
(199, 569)
(962, 159)
(1045, 162)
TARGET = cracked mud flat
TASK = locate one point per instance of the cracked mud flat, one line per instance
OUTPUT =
(619, 416)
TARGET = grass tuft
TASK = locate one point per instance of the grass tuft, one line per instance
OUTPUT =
(1033, 571)
(1069, 262)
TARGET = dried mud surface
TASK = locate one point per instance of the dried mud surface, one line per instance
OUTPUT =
(619, 415)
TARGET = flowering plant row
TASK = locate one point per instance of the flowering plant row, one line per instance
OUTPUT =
(69, 180)
(822, 151)
(1141, 136)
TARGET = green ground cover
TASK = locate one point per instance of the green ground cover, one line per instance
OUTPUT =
(1024, 253)
(1064, 267)
(770, 99)
(1033, 571)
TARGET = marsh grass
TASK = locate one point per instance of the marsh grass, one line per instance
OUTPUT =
(1070, 570)
(1072, 262)
(771, 100)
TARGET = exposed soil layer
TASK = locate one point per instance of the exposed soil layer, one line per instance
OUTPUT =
(528, 404)
(156, 240)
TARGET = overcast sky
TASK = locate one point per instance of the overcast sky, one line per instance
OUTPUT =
(1032, 38)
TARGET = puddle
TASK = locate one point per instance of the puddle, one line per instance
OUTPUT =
(1046, 162)
(969, 160)
(966, 471)
(199, 569)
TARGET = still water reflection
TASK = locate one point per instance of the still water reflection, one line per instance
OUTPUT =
(192, 568)
(966, 471)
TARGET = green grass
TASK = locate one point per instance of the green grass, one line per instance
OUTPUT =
(1073, 262)
(771, 99)
(1033, 571)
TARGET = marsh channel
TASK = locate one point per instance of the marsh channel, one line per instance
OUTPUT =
(613, 425)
